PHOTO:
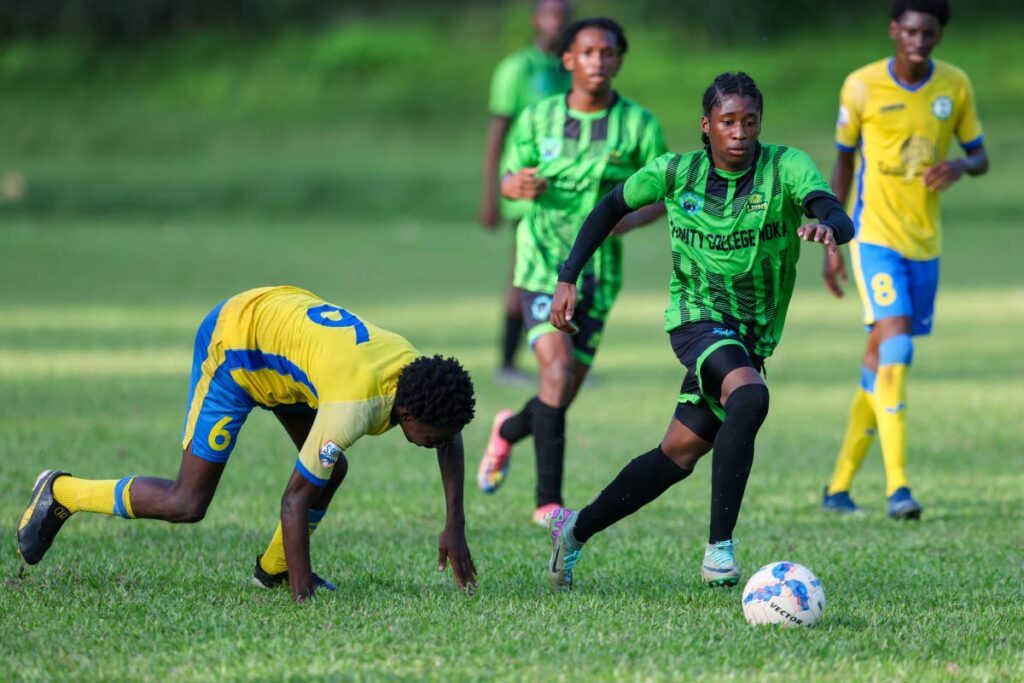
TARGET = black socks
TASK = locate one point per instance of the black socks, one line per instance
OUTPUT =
(645, 478)
(733, 457)
(549, 442)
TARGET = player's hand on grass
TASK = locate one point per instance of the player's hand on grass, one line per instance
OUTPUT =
(821, 233)
(563, 306)
(525, 184)
(941, 176)
(834, 270)
(303, 587)
(452, 547)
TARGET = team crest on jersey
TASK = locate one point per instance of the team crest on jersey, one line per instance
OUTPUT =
(756, 202)
(329, 453)
(541, 307)
(691, 202)
(942, 107)
(550, 148)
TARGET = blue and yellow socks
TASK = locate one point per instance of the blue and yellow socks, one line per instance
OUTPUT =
(895, 355)
(107, 497)
(860, 430)
(272, 561)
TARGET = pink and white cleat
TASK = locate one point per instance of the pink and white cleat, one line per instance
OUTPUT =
(494, 465)
(542, 514)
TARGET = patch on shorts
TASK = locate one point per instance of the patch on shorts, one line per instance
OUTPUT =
(329, 453)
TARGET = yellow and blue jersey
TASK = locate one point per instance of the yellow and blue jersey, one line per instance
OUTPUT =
(898, 132)
(285, 348)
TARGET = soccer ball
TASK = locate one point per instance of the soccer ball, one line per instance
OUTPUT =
(783, 593)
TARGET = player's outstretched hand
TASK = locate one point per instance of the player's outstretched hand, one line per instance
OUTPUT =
(940, 176)
(563, 306)
(821, 233)
(525, 184)
(452, 547)
(834, 270)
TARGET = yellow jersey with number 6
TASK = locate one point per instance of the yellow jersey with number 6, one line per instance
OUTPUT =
(286, 346)
(898, 132)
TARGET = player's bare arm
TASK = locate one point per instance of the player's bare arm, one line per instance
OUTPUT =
(834, 267)
(941, 177)
(524, 184)
(298, 498)
(497, 131)
(451, 546)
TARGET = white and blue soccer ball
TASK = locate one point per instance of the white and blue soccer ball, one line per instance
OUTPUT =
(784, 593)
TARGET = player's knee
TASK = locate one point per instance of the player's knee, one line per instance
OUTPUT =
(896, 350)
(558, 373)
(188, 509)
(750, 401)
(684, 456)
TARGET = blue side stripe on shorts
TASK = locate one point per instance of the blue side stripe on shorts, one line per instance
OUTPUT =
(254, 359)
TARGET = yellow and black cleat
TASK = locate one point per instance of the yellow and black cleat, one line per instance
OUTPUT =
(43, 518)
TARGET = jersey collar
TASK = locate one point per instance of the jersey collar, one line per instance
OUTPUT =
(910, 88)
(591, 115)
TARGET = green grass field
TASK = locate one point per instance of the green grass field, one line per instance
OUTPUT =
(105, 275)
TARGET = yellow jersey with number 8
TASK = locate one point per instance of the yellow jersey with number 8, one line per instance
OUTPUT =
(898, 132)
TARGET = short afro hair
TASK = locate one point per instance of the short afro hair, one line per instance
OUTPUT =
(437, 392)
(604, 23)
(937, 8)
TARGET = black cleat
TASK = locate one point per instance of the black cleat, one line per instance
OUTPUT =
(43, 518)
(262, 579)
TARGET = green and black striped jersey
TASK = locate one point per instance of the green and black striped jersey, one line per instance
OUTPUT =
(733, 235)
(582, 156)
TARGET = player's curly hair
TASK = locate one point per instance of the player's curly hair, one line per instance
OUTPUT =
(437, 391)
(610, 25)
(937, 8)
(730, 83)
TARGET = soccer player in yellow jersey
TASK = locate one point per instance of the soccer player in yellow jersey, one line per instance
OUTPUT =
(330, 377)
(896, 119)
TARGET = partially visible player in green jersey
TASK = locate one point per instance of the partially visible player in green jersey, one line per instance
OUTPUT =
(566, 152)
(525, 77)
(734, 214)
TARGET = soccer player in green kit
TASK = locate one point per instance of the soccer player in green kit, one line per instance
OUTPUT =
(734, 214)
(525, 77)
(567, 151)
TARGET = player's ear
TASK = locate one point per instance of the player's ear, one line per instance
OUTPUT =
(568, 61)
(705, 125)
(894, 29)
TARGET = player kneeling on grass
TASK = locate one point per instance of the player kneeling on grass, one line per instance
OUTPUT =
(734, 211)
(330, 377)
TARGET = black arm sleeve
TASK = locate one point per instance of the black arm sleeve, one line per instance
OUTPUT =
(827, 209)
(599, 224)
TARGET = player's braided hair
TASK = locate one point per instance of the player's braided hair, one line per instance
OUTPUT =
(436, 391)
(730, 83)
(937, 8)
(604, 23)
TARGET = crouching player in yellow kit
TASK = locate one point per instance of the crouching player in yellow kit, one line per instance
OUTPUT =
(330, 377)
(897, 116)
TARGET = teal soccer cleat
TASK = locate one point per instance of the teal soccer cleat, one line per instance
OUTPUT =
(563, 558)
(719, 567)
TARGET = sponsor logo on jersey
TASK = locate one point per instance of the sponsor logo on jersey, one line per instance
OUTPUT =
(723, 332)
(893, 107)
(550, 148)
(756, 202)
(942, 107)
(329, 453)
(541, 307)
(691, 202)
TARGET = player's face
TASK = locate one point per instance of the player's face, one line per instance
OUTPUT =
(549, 20)
(916, 34)
(423, 435)
(593, 60)
(733, 127)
